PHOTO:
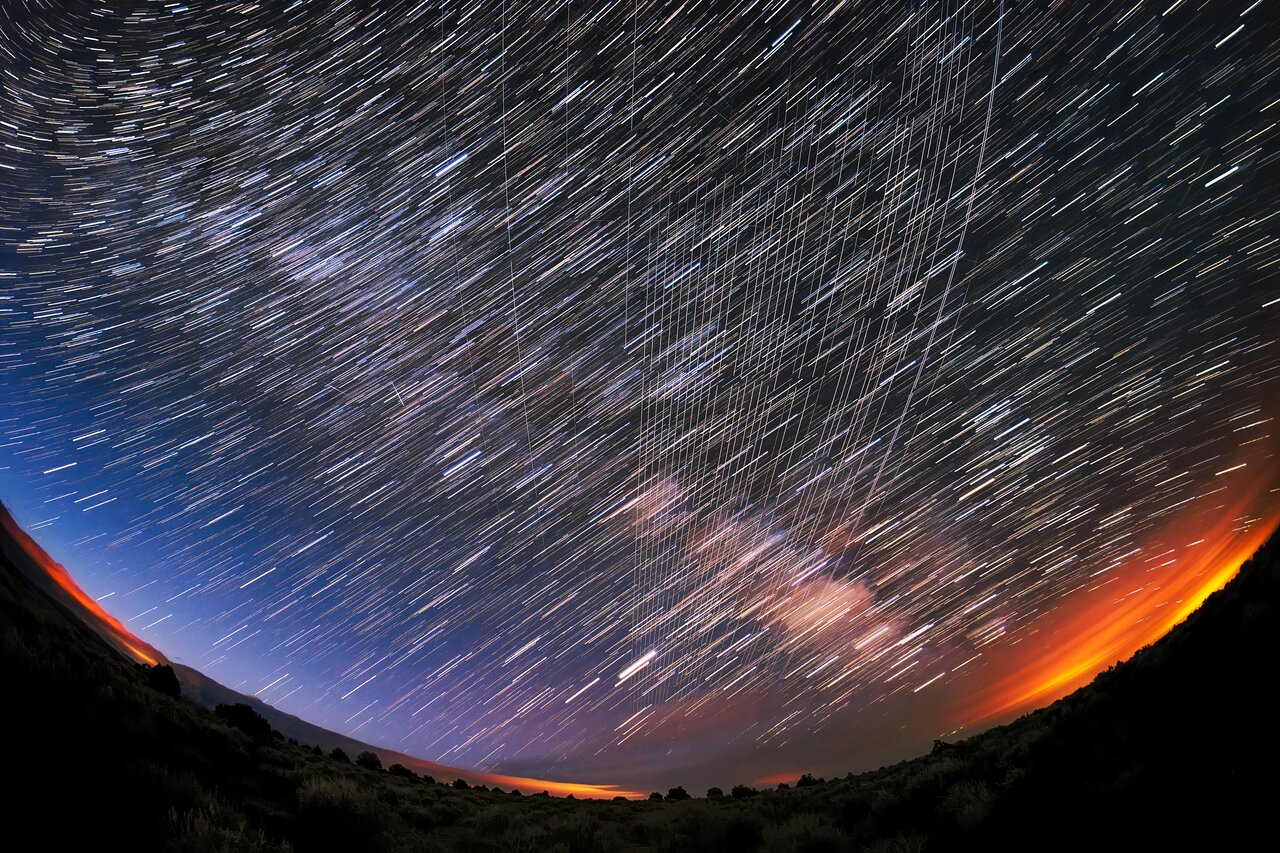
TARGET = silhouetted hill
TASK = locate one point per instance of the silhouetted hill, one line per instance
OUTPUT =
(1172, 749)
(204, 691)
(61, 591)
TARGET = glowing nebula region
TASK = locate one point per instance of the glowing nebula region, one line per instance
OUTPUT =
(641, 394)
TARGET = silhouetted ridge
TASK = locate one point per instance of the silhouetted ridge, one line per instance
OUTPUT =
(1163, 750)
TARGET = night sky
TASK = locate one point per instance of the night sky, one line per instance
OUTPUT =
(642, 393)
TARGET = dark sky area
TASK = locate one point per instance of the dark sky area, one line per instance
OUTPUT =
(637, 392)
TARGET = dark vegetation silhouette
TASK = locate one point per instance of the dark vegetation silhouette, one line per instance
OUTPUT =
(161, 678)
(1173, 749)
(246, 720)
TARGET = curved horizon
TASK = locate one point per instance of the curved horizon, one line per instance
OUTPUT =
(1089, 634)
(634, 393)
(94, 616)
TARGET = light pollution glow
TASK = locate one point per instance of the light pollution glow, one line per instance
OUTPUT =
(1136, 605)
(114, 632)
(1062, 651)
(109, 627)
(636, 394)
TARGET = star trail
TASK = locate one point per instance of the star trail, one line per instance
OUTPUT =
(634, 391)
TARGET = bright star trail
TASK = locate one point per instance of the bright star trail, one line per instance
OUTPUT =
(639, 393)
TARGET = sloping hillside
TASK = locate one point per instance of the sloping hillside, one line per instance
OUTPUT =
(1164, 750)
(60, 590)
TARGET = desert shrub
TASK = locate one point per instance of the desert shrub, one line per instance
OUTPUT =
(968, 803)
(850, 809)
(418, 815)
(678, 793)
(447, 811)
(743, 832)
(777, 806)
(217, 829)
(739, 792)
(369, 760)
(247, 720)
(899, 844)
(179, 788)
(581, 832)
(495, 820)
(524, 838)
(161, 678)
(714, 793)
(702, 827)
(401, 771)
(1027, 740)
(804, 833)
(339, 814)
(338, 754)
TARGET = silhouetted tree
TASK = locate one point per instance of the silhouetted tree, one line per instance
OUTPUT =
(162, 679)
(714, 793)
(460, 784)
(369, 760)
(783, 786)
(678, 793)
(806, 780)
(402, 771)
(619, 799)
(655, 796)
(338, 755)
(740, 792)
(247, 720)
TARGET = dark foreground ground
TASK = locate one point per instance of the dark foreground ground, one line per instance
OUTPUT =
(1172, 750)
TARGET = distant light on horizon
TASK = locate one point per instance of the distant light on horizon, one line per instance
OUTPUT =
(635, 394)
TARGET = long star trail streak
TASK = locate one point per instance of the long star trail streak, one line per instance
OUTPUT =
(598, 391)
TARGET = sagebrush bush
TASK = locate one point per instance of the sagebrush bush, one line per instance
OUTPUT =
(218, 829)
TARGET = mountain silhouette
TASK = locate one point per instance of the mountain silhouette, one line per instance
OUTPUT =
(1174, 748)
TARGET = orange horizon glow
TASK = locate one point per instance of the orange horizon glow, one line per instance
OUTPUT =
(1111, 621)
(581, 790)
(111, 627)
(114, 631)
(1131, 606)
